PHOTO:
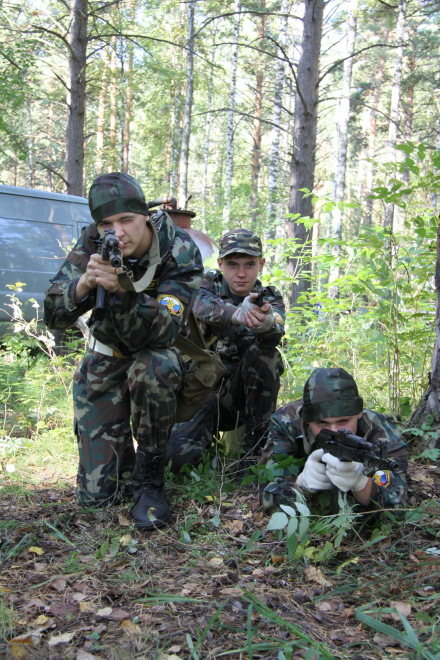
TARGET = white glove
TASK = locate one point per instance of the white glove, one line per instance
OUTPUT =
(314, 477)
(246, 306)
(345, 475)
(267, 323)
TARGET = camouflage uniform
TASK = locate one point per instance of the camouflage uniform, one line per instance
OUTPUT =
(247, 396)
(289, 435)
(134, 389)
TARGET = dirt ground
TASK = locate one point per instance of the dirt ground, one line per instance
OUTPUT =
(85, 584)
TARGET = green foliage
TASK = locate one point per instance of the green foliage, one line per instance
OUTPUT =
(308, 536)
(424, 650)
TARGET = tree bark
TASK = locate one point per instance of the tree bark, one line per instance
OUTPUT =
(302, 171)
(428, 410)
(230, 118)
(186, 128)
(274, 159)
(258, 109)
(341, 146)
(395, 100)
(76, 98)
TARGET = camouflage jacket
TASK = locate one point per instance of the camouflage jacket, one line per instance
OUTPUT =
(288, 436)
(214, 307)
(151, 318)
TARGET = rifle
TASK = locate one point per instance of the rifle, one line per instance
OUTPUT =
(262, 293)
(350, 447)
(108, 249)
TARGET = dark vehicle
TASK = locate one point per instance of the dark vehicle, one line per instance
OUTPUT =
(36, 227)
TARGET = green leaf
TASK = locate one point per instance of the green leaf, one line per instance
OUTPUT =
(277, 520)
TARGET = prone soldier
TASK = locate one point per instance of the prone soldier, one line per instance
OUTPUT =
(332, 408)
(131, 374)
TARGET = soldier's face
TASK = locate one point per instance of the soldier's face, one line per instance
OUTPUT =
(132, 231)
(240, 272)
(335, 423)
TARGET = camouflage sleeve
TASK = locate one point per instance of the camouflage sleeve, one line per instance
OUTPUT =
(60, 308)
(284, 439)
(209, 307)
(389, 488)
(214, 310)
(151, 318)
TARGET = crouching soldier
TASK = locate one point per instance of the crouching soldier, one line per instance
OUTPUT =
(246, 333)
(130, 375)
(331, 402)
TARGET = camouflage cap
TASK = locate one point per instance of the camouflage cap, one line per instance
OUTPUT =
(241, 241)
(115, 193)
(330, 393)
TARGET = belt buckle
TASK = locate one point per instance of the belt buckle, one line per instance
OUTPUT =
(119, 355)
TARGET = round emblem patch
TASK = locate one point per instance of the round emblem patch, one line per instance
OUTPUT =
(173, 304)
(382, 478)
(278, 318)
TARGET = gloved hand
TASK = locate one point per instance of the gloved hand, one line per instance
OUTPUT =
(267, 323)
(314, 477)
(246, 306)
(346, 475)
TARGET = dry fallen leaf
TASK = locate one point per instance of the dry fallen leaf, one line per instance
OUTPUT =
(403, 608)
(123, 521)
(41, 620)
(36, 550)
(129, 627)
(314, 574)
(59, 584)
(85, 655)
(277, 560)
(215, 561)
(64, 638)
(104, 611)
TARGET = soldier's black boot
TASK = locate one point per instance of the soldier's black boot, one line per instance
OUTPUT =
(150, 509)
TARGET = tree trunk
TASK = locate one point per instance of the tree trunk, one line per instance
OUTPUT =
(113, 161)
(378, 79)
(274, 159)
(207, 145)
(230, 118)
(302, 171)
(76, 98)
(186, 128)
(128, 95)
(395, 100)
(100, 120)
(341, 145)
(258, 107)
(428, 411)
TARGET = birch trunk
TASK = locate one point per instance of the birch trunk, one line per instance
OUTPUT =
(186, 127)
(76, 98)
(395, 101)
(370, 170)
(128, 95)
(256, 141)
(274, 159)
(302, 171)
(100, 122)
(207, 145)
(230, 118)
(343, 116)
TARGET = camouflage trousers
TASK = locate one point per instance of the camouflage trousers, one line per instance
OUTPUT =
(248, 396)
(114, 401)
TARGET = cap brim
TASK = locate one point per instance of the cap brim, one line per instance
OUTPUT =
(252, 253)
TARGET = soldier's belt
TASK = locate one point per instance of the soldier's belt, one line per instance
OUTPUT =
(98, 347)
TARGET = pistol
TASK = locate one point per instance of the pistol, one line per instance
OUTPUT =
(262, 293)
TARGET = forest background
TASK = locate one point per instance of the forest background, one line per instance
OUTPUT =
(314, 123)
(317, 125)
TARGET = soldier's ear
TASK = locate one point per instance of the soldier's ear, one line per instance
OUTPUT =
(262, 262)
(220, 263)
